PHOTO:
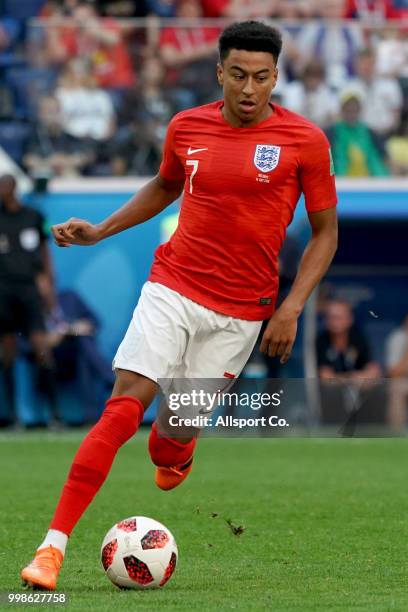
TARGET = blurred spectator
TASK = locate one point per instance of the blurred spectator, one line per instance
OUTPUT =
(50, 151)
(86, 110)
(368, 10)
(23, 256)
(120, 8)
(249, 9)
(295, 9)
(397, 149)
(288, 62)
(311, 97)
(397, 351)
(381, 96)
(350, 389)
(189, 53)
(219, 8)
(84, 34)
(342, 349)
(195, 42)
(397, 370)
(392, 53)
(145, 113)
(51, 8)
(72, 329)
(333, 43)
(138, 152)
(151, 97)
(73, 29)
(161, 8)
(354, 148)
(398, 9)
(241, 9)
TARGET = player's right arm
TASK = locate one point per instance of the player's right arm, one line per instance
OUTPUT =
(147, 203)
(163, 189)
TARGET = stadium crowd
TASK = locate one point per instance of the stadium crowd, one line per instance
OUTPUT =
(88, 88)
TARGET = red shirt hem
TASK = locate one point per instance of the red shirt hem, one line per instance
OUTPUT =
(252, 313)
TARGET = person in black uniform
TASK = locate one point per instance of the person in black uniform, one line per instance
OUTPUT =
(342, 349)
(23, 256)
(347, 370)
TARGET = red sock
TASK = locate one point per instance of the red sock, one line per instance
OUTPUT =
(168, 452)
(119, 422)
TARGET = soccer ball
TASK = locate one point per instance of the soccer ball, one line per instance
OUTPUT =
(139, 553)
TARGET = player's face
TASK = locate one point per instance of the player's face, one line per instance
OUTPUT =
(247, 78)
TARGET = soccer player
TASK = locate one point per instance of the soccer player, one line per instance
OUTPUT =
(243, 164)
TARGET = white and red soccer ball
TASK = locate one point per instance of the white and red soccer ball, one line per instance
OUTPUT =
(139, 553)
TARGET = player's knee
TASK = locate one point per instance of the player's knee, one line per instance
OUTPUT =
(134, 385)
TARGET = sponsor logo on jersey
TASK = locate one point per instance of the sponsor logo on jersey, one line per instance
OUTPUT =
(265, 301)
(266, 157)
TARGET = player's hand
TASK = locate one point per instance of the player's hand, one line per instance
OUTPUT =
(75, 231)
(280, 335)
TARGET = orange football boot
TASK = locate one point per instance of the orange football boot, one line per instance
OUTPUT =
(170, 477)
(44, 568)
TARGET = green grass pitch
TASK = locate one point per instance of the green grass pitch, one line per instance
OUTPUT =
(325, 523)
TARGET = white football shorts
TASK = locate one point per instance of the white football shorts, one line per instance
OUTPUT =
(171, 337)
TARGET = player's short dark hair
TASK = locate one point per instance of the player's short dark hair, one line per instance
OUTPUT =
(250, 36)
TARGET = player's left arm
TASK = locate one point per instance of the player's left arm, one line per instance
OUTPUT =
(317, 181)
(280, 332)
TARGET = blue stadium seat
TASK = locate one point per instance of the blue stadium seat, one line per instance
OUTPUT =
(22, 9)
(28, 85)
(13, 136)
(13, 29)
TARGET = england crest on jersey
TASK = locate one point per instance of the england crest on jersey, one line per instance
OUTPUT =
(266, 157)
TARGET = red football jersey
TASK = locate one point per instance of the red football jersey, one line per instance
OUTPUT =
(241, 189)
